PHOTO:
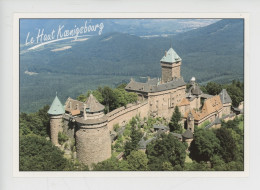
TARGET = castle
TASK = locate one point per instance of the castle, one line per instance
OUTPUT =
(91, 128)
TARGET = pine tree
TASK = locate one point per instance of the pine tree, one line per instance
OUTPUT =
(174, 123)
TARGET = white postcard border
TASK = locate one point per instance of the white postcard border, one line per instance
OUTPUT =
(17, 173)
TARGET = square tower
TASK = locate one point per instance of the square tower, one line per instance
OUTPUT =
(171, 66)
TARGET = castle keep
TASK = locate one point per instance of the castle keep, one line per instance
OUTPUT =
(92, 136)
(92, 129)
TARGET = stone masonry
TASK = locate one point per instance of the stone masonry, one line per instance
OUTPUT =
(55, 128)
(93, 143)
(170, 71)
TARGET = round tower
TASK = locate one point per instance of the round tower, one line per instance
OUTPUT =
(56, 112)
(93, 141)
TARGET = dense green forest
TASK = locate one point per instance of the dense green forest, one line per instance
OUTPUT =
(211, 150)
(36, 152)
(211, 53)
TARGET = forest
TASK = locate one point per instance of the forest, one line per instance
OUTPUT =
(207, 53)
(211, 150)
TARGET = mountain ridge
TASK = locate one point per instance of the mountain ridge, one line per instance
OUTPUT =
(210, 53)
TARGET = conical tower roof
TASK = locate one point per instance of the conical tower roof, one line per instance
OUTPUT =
(171, 57)
(93, 105)
(224, 97)
(56, 107)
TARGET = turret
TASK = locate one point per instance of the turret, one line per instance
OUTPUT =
(56, 112)
(171, 66)
(93, 141)
(190, 122)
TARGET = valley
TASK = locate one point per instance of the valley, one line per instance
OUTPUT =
(211, 53)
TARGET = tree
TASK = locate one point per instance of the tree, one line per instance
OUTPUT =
(236, 93)
(174, 123)
(204, 146)
(218, 164)
(38, 154)
(228, 147)
(213, 88)
(107, 165)
(111, 98)
(197, 166)
(167, 148)
(35, 123)
(167, 166)
(137, 161)
(111, 164)
(82, 98)
(135, 136)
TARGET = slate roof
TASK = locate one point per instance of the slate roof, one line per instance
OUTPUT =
(171, 57)
(188, 134)
(224, 97)
(93, 105)
(195, 90)
(206, 96)
(163, 127)
(147, 87)
(72, 104)
(56, 107)
(153, 81)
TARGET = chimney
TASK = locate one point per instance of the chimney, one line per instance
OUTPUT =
(165, 53)
(84, 111)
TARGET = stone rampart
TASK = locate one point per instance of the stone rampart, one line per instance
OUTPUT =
(123, 114)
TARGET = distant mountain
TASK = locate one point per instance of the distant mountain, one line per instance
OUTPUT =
(210, 53)
(138, 27)
(215, 48)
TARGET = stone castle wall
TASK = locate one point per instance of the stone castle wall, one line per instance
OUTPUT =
(162, 104)
(123, 114)
(55, 128)
(69, 126)
(93, 143)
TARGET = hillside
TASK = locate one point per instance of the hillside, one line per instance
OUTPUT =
(211, 53)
